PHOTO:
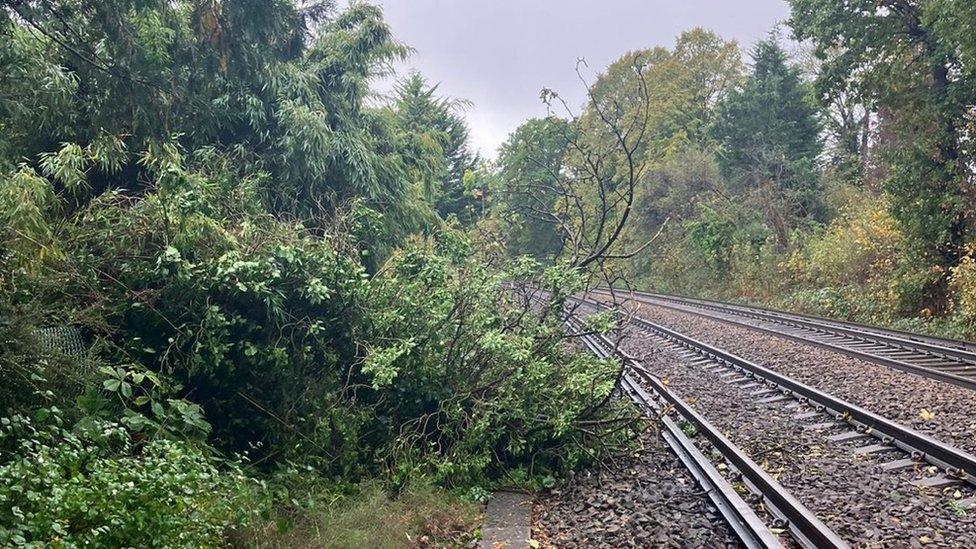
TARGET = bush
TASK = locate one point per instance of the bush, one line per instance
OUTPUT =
(964, 289)
(860, 247)
(94, 487)
(251, 317)
(215, 320)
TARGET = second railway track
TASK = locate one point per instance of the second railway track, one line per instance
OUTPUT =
(805, 528)
(857, 447)
(940, 359)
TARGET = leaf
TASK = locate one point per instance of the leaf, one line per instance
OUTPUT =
(142, 400)
(534, 544)
(153, 378)
(926, 415)
(111, 384)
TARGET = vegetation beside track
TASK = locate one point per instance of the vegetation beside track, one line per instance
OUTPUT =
(238, 290)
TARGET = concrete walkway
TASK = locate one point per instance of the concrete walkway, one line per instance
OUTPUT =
(508, 521)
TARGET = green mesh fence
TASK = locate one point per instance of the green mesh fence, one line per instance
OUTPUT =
(64, 339)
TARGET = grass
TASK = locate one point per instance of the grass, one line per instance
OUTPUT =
(420, 516)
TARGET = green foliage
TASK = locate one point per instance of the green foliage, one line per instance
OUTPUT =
(566, 184)
(203, 307)
(477, 382)
(233, 250)
(26, 201)
(94, 487)
(528, 164)
(912, 60)
(883, 234)
(437, 135)
(682, 84)
(705, 68)
(768, 134)
(247, 315)
(268, 87)
(713, 235)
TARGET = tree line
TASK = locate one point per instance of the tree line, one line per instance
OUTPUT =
(235, 282)
(830, 173)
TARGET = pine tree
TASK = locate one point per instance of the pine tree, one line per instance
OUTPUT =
(769, 139)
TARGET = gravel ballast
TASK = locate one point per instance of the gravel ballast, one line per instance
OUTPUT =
(938, 409)
(865, 506)
(648, 500)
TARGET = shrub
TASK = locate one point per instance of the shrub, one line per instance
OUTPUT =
(964, 289)
(860, 247)
(713, 236)
(94, 487)
(914, 283)
(472, 380)
(251, 317)
(269, 339)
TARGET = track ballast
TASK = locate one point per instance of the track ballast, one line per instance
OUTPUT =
(945, 360)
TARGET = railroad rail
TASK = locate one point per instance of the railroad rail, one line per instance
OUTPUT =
(944, 360)
(802, 524)
(957, 466)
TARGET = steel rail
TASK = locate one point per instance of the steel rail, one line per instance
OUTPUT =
(929, 371)
(873, 329)
(748, 527)
(904, 340)
(803, 524)
(956, 462)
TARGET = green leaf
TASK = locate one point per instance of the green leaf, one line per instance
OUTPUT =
(41, 414)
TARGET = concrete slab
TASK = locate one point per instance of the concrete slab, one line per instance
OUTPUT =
(508, 521)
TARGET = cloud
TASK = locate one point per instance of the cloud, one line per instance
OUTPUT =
(499, 54)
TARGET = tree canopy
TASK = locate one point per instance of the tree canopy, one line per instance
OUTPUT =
(915, 66)
(768, 134)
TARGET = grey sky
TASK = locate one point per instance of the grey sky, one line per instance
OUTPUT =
(500, 53)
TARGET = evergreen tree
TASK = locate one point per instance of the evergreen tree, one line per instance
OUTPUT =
(769, 140)
(438, 141)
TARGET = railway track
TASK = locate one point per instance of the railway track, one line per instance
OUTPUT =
(945, 360)
(788, 513)
(916, 462)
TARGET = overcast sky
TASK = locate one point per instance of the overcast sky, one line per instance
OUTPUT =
(499, 54)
